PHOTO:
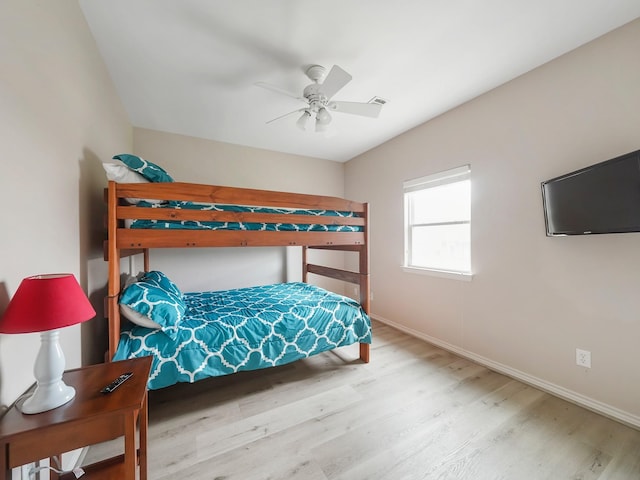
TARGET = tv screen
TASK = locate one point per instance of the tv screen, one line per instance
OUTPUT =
(602, 198)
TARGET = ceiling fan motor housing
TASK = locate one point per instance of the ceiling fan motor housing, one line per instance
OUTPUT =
(315, 98)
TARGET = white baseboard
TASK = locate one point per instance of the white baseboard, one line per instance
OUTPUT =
(561, 392)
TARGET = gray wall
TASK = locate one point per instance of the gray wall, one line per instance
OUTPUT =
(190, 159)
(533, 299)
(59, 114)
(60, 117)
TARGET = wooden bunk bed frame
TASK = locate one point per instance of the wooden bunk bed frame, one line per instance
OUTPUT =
(122, 242)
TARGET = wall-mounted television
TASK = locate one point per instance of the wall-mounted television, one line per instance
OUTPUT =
(602, 198)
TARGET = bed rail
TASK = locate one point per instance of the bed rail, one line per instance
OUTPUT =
(231, 195)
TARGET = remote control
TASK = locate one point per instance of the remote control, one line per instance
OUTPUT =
(116, 383)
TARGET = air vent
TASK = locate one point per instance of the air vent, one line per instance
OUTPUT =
(378, 100)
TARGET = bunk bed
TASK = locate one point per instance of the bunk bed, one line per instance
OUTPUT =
(186, 215)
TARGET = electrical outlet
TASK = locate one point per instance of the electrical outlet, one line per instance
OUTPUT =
(583, 358)
(371, 295)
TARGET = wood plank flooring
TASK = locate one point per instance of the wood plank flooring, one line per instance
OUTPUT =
(414, 412)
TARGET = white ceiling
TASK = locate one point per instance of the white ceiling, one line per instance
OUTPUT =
(190, 66)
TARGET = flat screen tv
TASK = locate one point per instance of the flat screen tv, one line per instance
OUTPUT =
(602, 198)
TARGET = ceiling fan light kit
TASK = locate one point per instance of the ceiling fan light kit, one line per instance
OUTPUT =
(323, 116)
(303, 120)
(318, 96)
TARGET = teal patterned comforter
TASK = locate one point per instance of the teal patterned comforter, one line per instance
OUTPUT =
(198, 225)
(247, 329)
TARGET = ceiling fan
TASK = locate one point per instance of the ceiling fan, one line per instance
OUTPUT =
(318, 95)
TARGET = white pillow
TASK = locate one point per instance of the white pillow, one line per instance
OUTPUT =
(129, 313)
(119, 172)
(138, 318)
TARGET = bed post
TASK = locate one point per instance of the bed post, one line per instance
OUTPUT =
(365, 301)
(304, 264)
(365, 286)
(114, 272)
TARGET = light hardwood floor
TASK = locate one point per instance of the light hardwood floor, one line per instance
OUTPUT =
(414, 412)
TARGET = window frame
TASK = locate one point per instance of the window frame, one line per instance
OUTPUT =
(446, 177)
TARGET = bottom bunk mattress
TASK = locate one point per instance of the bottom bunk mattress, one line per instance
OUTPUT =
(246, 329)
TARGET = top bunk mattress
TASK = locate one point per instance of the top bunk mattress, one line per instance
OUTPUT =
(240, 225)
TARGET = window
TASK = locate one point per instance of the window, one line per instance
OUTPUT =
(438, 222)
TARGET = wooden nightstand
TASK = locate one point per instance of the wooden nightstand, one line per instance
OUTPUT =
(91, 417)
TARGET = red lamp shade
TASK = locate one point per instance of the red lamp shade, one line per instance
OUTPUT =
(46, 302)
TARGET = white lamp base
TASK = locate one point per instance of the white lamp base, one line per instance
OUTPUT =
(51, 391)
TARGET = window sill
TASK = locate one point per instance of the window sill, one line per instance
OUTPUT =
(462, 276)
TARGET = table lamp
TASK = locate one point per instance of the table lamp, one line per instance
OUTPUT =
(46, 303)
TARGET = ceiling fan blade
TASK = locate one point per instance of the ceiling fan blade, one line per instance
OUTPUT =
(365, 109)
(334, 81)
(279, 90)
(286, 115)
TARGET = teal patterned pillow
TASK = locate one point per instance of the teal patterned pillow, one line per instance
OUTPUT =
(156, 304)
(148, 170)
(161, 280)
